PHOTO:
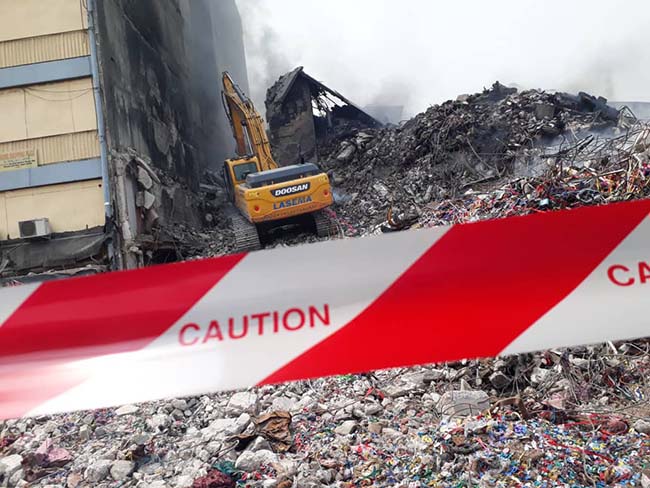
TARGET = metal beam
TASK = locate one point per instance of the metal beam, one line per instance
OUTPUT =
(51, 174)
(32, 74)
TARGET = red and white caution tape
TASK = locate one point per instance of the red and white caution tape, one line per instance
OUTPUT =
(476, 290)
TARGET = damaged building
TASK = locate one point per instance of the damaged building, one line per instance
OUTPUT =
(303, 114)
(111, 111)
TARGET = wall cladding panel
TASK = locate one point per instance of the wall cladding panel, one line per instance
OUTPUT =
(58, 149)
(52, 47)
(70, 207)
(46, 110)
(32, 18)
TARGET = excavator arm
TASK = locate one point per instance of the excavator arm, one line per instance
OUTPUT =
(247, 125)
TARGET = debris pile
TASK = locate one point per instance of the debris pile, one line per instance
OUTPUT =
(576, 417)
(477, 143)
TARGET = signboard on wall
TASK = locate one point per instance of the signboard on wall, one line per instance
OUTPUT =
(18, 160)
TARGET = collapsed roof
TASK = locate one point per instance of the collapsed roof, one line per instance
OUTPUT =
(303, 114)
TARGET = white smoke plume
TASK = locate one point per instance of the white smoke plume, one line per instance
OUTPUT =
(433, 51)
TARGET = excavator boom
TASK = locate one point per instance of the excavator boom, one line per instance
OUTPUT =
(247, 125)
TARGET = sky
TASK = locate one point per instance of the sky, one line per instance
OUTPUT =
(418, 53)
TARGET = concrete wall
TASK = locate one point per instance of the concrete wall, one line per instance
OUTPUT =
(160, 68)
(292, 129)
(160, 65)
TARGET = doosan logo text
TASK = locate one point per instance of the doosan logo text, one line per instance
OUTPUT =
(290, 190)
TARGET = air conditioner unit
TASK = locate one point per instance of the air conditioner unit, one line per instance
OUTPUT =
(31, 229)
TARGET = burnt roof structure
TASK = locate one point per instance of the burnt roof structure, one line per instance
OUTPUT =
(303, 114)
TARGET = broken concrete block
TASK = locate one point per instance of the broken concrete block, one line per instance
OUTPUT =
(121, 470)
(463, 403)
(642, 426)
(98, 470)
(544, 111)
(126, 410)
(10, 464)
(243, 401)
(144, 179)
(346, 153)
(250, 461)
(346, 428)
(149, 200)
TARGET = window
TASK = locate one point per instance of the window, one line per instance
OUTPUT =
(243, 170)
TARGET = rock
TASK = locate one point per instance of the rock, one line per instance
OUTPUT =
(391, 433)
(642, 426)
(126, 410)
(179, 404)
(74, 480)
(345, 155)
(122, 469)
(463, 403)
(346, 428)
(222, 428)
(373, 409)
(435, 375)
(98, 470)
(84, 432)
(159, 422)
(241, 423)
(243, 402)
(400, 389)
(144, 178)
(284, 404)
(259, 444)
(10, 464)
(250, 461)
(16, 478)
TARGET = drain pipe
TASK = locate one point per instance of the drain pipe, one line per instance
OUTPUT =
(101, 127)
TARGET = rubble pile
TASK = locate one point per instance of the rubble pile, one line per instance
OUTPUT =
(474, 142)
(575, 417)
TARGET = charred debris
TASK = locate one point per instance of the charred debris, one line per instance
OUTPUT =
(303, 115)
(459, 155)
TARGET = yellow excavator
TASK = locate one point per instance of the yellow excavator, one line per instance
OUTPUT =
(268, 196)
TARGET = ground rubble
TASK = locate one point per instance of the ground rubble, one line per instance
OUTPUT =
(577, 417)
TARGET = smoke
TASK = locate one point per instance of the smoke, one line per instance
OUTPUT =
(418, 53)
(214, 43)
(266, 58)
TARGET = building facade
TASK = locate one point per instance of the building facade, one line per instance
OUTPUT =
(109, 113)
(50, 154)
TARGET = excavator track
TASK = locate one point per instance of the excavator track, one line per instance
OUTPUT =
(324, 225)
(246, 235)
